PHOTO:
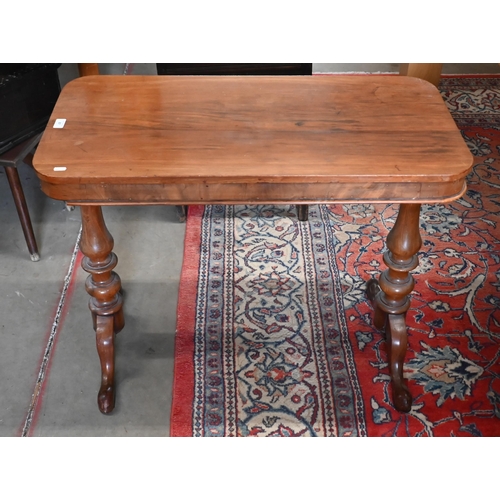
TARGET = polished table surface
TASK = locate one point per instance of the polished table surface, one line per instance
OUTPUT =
(282, 139)
(211, 139)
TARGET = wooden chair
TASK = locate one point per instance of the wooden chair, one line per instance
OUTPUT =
(11, 160)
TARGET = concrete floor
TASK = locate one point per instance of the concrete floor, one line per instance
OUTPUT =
(149, 245)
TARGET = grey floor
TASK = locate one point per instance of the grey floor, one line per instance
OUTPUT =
(149, 245)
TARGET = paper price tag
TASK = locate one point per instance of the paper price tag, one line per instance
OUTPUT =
(60, 122)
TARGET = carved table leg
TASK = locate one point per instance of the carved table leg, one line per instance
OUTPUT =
(103, 285)
(391, 295)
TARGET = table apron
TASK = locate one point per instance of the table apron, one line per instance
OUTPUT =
(255, 193)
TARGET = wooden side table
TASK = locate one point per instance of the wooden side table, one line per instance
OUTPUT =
(294, 139)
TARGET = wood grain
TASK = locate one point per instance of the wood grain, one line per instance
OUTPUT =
(230, 133)
(111, 193)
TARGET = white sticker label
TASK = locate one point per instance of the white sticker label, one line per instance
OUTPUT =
(60, 122)
(59, 169)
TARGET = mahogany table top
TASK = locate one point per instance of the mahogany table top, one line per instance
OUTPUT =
(193, 139)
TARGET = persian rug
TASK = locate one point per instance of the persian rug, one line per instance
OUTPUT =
(275, 334)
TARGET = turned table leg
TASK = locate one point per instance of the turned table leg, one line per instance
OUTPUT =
(391, 295)
(103, 285)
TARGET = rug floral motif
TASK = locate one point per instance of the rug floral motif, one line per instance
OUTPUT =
(281, 340)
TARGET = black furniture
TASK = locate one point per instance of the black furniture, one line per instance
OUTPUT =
(28, 93)
(233, 69)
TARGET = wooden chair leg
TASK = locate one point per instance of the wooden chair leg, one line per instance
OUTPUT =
(22, 210)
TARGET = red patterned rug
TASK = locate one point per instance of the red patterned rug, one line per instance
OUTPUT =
(275, 334)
